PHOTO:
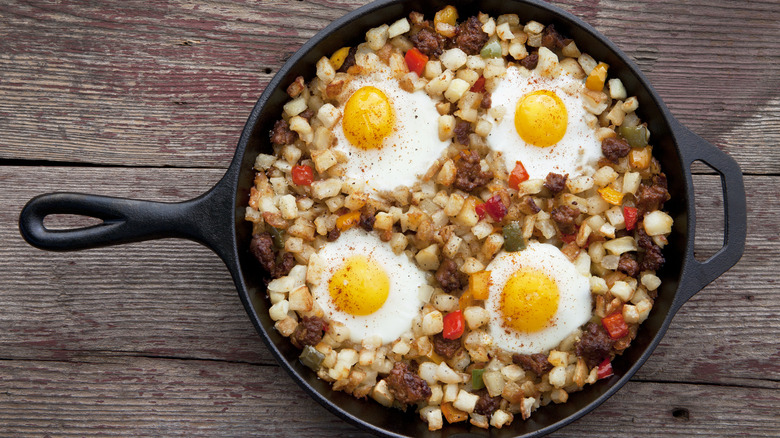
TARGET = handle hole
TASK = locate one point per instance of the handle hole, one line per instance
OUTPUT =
(710, 213)
(69, 221)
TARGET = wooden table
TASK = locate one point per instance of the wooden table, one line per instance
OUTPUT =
(146, 99)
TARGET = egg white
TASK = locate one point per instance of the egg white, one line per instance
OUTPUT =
(403, 301)
(576, 154)
(574, 305)
(410, 149)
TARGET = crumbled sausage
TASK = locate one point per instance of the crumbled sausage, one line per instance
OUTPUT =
(469, 174)
(428, 41)
(445, 347)
(333, 235)
(594, 345)
(486, 404)
(529, 206)
(555, 182)
(652, 197)
(564, 216)
(652, 259)
(471, 38)
(628, 264)
(367, 218)
(307, 114)
(530, 61)
(449, 277)
(281, 134)
(614, 148)
(349, 61)
(536, 363)
(406, 386)
(487, 101)
(262, 247)
(462, 129)
(308, 331)
(552, 39)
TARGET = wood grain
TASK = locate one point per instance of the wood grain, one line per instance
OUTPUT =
(171, 83)
(99, 397)
(146, 99)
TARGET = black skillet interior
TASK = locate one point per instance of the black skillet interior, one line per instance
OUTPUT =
(351, 30)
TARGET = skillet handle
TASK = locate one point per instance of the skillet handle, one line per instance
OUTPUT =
(697, 275)
(202, 219)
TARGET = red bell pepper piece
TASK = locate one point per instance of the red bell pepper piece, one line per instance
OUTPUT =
(480, 209)
(454, 324)
(302, 175)
(478, 86)
(415, 60)
(517, 176)
(615, 325)
(605, 369)
(495, 208)
(630, 215)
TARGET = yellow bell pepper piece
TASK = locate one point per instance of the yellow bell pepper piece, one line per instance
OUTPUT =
(338, 57)
(447, 15)
(597, 77)
(348, 220)
(611, 195)
(479, 282)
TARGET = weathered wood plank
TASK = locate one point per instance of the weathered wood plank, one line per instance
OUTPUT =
(171, 84)
(175, 299)
(139, 396)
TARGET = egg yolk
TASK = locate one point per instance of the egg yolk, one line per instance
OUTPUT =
(368, 118)
(541, 118)
(359, 287)
(529, 301)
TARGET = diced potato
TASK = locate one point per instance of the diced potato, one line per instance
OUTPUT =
(295, 106)
(557, 376)
(572, 67)
(433, 416)
(620, 245)
(631, 104)
(548, 63)
(456, 89)
(452, 246)
(631, 182)
(610, 261)
(533, 27)
(453, 59)
(471, 265)
(604, 176)
(328, 115)
(432, 323)
(622, 290)
(650, 281)
(439, 84)
(598, 285)
(381, 394)
(494, 382)
(595, 102)
(325, 70)
(616, 89)
(467, 216)
(504, 32)
(658, 223)
(494, 67)
(501, 418)
(377, 37)
(325, 188)
(301, 126)
(278, 311)
(445, 302)
(615, 217)
(476, 317)
(446, 374)
(466, 401)
(398, 28)
(323, 160)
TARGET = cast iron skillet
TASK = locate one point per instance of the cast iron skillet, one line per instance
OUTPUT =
(215, 219)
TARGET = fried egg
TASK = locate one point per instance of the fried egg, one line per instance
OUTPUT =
(358, 281)
(536, 299)
(389, 135)
(544, 125)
